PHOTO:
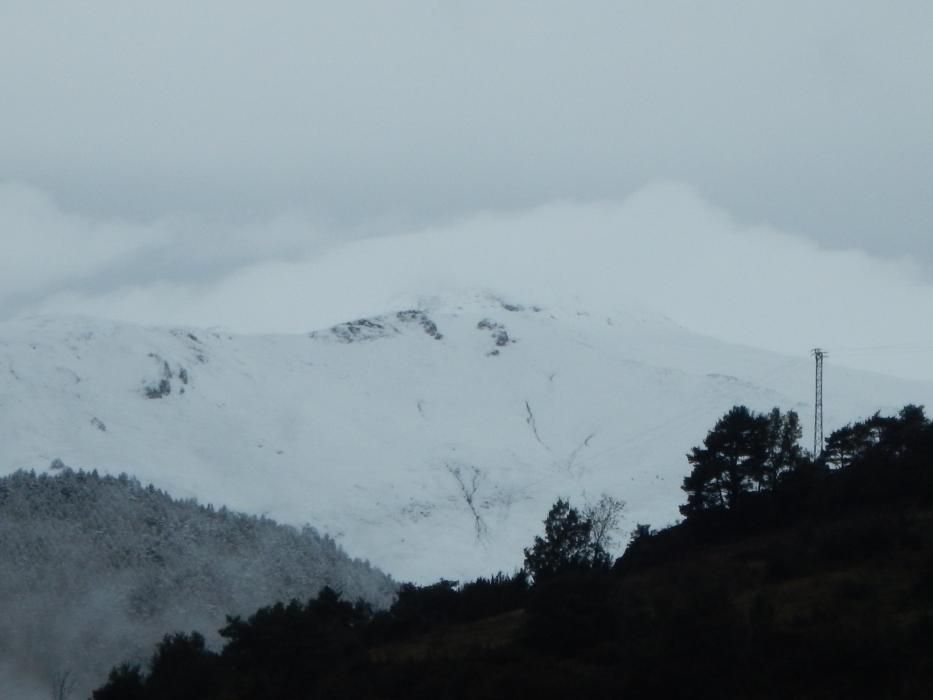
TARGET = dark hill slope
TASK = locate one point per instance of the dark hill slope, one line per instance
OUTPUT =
(837, 607)
(818, 587)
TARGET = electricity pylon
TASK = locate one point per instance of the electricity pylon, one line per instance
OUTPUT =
(818, 354)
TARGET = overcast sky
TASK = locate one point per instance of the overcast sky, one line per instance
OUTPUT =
(164, 150)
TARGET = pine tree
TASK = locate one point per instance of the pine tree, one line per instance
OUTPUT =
(567, 544)
(784, 451)
(734, 457)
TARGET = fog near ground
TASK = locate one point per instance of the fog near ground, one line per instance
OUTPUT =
(105, 567)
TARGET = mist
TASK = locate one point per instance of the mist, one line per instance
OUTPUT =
(759, 172)
(665, 251)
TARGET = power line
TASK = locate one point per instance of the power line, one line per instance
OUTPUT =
(696, 403)
(886, 349)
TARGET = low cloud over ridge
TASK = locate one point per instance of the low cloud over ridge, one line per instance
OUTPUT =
(663, 250)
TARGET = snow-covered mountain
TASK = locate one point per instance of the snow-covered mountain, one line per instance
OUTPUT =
(430, 440)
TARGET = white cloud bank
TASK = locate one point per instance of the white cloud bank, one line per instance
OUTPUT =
(662, 250)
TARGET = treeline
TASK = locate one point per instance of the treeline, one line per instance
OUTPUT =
(751, 475)
(790, 576)
(98, 567)
(753, 461)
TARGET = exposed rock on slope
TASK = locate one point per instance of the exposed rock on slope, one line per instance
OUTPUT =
(361, 429)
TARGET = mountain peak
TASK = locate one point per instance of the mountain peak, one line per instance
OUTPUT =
(430, 438)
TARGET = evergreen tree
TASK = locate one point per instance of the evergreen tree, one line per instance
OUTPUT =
(126, 682)
(734, 456)
(567, 544)
(890, 436)
(182, 668)
(784, 451)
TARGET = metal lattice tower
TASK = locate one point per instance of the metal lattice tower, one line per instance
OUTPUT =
(818, 354)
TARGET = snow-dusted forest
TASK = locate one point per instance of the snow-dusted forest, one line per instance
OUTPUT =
(98, 568)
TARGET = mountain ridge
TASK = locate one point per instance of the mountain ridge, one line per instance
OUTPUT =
(428, 439)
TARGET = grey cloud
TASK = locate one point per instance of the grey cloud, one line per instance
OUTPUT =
(44, 247)
(48, 250)
(811, 117)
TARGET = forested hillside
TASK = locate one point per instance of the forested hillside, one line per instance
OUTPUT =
(789, 577)
(97, 568)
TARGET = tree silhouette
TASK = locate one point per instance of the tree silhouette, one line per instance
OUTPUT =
(182, 668)
(888, 436)
(568, 544)
(126, 682)
(734, 457)
(784, 451)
